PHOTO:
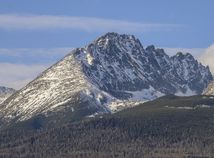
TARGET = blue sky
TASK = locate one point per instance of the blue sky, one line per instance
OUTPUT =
(193, 17)
(36, 33)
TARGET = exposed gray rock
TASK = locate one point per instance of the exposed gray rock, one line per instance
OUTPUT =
(110, 68)
(5, 93)
(119, 63)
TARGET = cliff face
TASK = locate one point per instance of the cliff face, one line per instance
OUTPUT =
(113, 67)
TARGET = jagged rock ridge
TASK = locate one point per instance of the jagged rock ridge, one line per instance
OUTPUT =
(119, 65)
(113, 67)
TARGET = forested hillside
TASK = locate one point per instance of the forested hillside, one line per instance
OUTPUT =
(167, 127)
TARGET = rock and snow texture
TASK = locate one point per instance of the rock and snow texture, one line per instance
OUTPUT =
(5, 93)
(121, 66)
(62, 84)
(210, 89)
(112, 69)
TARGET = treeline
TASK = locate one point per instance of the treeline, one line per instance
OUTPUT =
(107, 138)
(152, 130)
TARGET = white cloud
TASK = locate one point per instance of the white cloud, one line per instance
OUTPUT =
(35, 51)
(18, 66)
(18, 75)
(89, 24)
(32, 55)
(196, 52)
(203, 55)
(207, 57)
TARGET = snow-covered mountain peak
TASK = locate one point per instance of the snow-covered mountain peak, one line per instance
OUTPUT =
(115, 39)
(184, 56)
(5, 90)
(119, 65)
(150, 48)
(113, 68)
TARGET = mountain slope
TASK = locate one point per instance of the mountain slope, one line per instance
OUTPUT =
(112, 68)
(210, 89)
(166, 127)
(119, 65)
(61, 85)
(5, 93)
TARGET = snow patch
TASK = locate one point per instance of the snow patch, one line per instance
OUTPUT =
(189, 107)
(203, 106)
(119, 105)
(180, 107)
(145, 94)
(90, 59)
(188, 92)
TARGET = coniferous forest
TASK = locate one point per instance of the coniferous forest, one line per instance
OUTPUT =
(183, 128)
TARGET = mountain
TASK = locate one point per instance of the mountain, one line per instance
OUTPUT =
(113, 68)
(119, 65)
(5, 93)
(169, 126)
(210, 89)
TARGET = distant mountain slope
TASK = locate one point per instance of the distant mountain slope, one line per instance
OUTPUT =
(113, 67)
(166, 127)
(210, 89)
(5, 93)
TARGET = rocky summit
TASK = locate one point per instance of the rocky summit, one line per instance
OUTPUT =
(100, 76)
(119, 65)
